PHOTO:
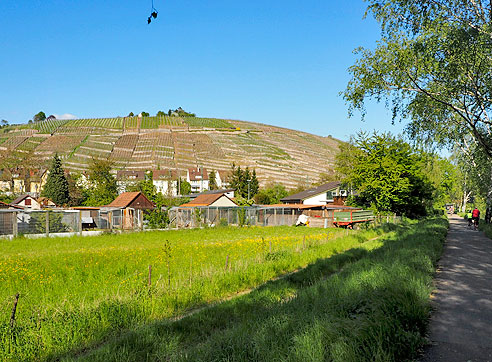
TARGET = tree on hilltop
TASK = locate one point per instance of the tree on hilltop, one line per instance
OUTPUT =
(40, 116)
(56, 187)
(160, 114)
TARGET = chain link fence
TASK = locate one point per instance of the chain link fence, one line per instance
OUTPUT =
(212, 216)
(67, 222)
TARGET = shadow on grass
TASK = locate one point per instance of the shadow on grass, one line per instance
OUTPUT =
(375, 308)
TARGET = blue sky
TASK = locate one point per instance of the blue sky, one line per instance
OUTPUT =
(276, 62)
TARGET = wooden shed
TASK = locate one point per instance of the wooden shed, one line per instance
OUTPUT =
(132, 205)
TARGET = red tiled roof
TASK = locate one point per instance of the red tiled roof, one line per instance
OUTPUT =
(130, 175)
(125, 199)
(164, 175)
(197, 174)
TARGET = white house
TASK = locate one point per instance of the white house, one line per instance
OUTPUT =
(222, 178)
(198, 179)
(165, 182)
(27, 202)
(330, 193)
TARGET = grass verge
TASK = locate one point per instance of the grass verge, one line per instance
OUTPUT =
(369, 303)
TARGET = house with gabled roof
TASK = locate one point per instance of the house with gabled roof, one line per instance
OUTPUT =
(198, 179)
(211, 200)
(130, 206)
(222, 178)
(330, 193)
(134, 200)
(37, 180)
(165, 182)
(26, 201)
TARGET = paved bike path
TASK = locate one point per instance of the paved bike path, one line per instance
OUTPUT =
(461, 325)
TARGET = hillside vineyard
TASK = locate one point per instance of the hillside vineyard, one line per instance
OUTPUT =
(178, 143)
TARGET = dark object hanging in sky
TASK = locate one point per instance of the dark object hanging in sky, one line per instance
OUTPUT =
(153, 13)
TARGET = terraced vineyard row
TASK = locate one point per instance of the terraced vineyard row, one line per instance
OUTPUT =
(111, 123)
(49, 125)
(207, 122)
(30, 144)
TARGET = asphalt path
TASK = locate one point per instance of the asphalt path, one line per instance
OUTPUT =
(461, 324)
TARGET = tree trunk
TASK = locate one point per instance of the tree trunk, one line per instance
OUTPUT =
(488, 212)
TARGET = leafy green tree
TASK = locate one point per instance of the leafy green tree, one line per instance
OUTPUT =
(131, 114)
(271, 194)
(325, 177)
(432, 65)
(212, 181)
(56, 187)
(40, 116)
(103, 188)
(76, 193)
(160, 114)
(386, 173)
(184, 187)
(145, 114)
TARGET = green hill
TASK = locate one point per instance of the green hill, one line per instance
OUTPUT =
(145, 143)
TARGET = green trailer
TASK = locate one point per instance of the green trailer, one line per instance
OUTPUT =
(349, 218)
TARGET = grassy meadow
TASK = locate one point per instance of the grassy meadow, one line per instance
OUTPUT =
(367, 303)
(78, 292)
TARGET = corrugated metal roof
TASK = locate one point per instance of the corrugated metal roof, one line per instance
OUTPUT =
(313, 192)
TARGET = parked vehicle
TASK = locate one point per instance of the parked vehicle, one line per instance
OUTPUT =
(349, 219)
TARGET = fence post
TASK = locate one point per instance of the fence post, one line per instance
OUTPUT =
(140, 219)
(14, 309)
(80, 222)
(47, 223)
(275, 216)
(14, 224)
(110, 220)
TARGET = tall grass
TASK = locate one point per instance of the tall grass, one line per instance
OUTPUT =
(77, 292)
(370, 303)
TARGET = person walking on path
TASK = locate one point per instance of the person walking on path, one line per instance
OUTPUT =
(475, 217)
(460, 327)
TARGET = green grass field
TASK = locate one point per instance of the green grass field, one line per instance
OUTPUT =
(79, 292)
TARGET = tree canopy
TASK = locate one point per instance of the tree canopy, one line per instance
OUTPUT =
(386, 173)
(432, 66)
(103, 188)
(40, 116)
(271, 194)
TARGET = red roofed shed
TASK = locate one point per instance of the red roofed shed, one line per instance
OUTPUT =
(135, 200)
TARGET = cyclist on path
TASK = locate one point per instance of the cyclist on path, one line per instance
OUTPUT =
(475, 216)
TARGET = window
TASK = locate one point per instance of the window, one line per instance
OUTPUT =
(27, 202)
